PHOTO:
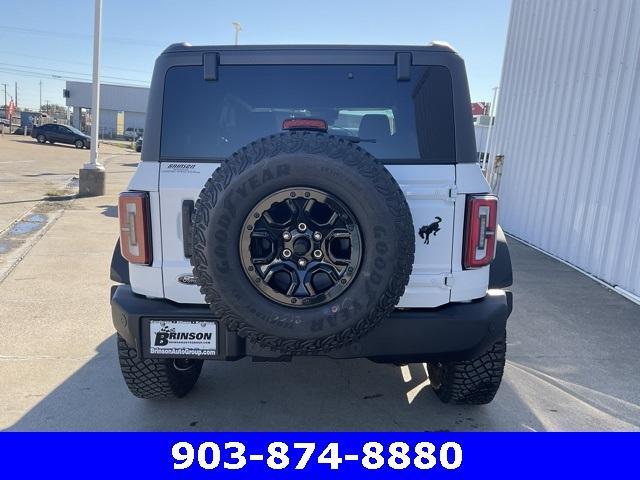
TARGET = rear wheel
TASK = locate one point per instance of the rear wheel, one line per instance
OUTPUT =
(41, 138)
(157, 377)
(470, 382)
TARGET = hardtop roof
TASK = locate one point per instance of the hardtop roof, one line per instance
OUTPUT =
(431, 47)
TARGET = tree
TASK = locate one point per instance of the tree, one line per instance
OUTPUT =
(53, 109)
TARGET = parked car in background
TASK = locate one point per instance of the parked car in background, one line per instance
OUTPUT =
(139, 145)
(20, 130)
(133, 133)
(53, 132)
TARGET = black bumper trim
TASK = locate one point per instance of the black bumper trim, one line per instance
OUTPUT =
(457, 331)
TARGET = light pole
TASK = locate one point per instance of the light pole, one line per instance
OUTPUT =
(492, 111)
(237, 28)
(92, 174)
(5, 108)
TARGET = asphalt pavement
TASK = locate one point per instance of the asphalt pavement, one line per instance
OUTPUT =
(31, 172)
(572, 347)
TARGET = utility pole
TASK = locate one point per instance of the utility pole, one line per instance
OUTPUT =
(92, 174)
(16, 95)
(237, 27)
(40, 104)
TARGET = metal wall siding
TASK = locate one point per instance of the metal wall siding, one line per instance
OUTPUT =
(568, 125)
(112, 97)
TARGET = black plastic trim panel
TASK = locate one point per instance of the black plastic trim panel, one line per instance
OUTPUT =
(119, 266)
(456, 331)
(500, 271)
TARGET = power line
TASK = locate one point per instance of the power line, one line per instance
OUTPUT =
(52, 60)
(69, 76)
(62, 78)
(77, 36)
(13, 65)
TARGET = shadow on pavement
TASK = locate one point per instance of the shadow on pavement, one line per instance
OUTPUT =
(47, 174)
(306, 394)
(33, 141)
(46, 198)
(109, 210)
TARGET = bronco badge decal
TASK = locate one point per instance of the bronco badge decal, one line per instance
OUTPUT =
(427, 230)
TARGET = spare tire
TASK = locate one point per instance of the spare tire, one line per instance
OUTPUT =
(302, 242)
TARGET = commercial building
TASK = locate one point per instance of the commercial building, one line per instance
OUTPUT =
(113, 99)
(570, 181)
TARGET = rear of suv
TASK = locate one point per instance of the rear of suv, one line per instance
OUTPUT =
(326, 202)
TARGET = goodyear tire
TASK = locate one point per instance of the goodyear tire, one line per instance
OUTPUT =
(370, 209)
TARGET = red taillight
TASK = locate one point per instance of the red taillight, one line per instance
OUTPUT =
(135, 227)
(480, 230)
(304, 124)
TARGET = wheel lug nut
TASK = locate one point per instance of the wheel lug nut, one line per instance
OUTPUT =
(286, 253)
(302, 227)
(286, 235)
(302, 262)
(317, 254)
(317, 236)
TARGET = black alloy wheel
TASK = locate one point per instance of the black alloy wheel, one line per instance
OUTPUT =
(301, 247)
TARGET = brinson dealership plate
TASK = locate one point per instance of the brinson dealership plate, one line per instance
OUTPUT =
(189, 338)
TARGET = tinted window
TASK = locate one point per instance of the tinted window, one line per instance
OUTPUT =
(395, 120)
(75, 130)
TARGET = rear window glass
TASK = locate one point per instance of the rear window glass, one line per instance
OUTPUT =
(394, 120)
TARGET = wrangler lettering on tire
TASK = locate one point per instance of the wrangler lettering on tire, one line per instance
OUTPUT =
(302, 242)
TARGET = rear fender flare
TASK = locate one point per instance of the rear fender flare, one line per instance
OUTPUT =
(500, 271)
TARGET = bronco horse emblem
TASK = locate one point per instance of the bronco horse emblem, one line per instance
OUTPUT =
(427, 230)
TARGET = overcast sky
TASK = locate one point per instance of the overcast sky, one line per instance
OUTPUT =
(51, 40)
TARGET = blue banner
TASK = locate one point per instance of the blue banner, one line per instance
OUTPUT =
(319, 455)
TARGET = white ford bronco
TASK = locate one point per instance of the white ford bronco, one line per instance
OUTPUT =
(310, 200)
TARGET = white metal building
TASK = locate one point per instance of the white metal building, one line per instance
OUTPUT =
(568, 125)
(113, 99)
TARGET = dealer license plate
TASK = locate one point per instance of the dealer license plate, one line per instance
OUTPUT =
(193, 338)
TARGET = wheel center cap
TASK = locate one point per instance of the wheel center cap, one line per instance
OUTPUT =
(301, 246)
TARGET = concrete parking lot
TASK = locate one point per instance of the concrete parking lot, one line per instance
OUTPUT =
(572, 344)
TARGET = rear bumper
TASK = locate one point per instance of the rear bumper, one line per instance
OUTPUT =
(457, 331)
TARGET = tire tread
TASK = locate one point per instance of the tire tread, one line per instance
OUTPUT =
(153, 378)
(470, 382)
